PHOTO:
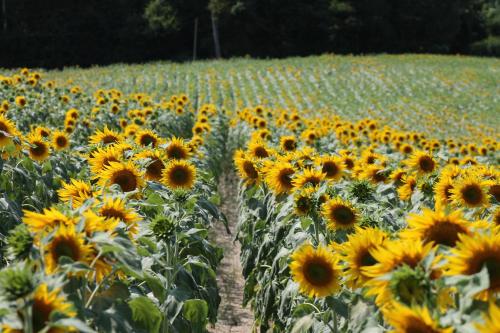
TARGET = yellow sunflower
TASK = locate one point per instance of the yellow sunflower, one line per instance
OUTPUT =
(7, 131)
(474, 252)
(471, 192)
(308, 177)
(179, 174)
(340, 214)
(258, 149)
(416, 319)
(331, 166)
(124, 174)
(279, 178)
(177, 149)
(409, 183)
(147, 138)
(45, 303)
(372, 172)
(43, 131)
(60, 140)
(422, 162)
(288, 143)
(76, 191)
(47, 220)
(102, 157)
(66, 242)
(303, 200)
(247, 169)
(105, 137)
(317, 271)
(491, 320)
(442, 191)
(356, 254)
(155, 166)
(38, 149)
(117, 209)
(437, 227)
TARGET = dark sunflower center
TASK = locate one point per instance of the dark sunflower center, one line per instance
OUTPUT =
(147, 140)
(250, 170)
(179, 176)
(370, 160)
(493, 267)
(426, 164)
(343, 215)
(416, 326)
(312, 180)
(447, 191)
(289, 145)
(318, 273)
(261, 152)
(3, 128)
(407, 149)
(155, 169)
(495, 192)
(366, 259)
(61, 141)
(285, 178)
(39, 149)
(379, 177)
(65, 248)
(444, 233)
(176, 152)
(472, 194)
(41, 314)
(110, 212)
(330, 168)
(109, 139)
(349, 163)
(126, 179)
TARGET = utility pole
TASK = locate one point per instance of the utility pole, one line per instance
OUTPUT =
(195, 42)
(215, 33)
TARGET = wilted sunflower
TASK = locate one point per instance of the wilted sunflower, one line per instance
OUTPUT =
(422, 162)
(60, 140)
(177, 149)
(155, 166)
(7, 131)
(124, 174)
(340, 214)
(356, 254)
(105, 137)
(391, 256)
(102, 157)
(317, 271)
(46, 303)
(66, 242)
(117, 209)
(288, 143)
(491, 320)
(308, 177)
(76, 191)
(147, 138)
(279, 177)
(38, 149)
(474, 252)
(247, 169)
(471, 192)
(331, 166)
(409, 183)
(46, 221)
(437, 227)
(412, 320)
(179, 174)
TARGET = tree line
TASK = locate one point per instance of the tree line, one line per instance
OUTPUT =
(54, 33)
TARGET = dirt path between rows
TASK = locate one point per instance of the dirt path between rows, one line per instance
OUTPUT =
(232, 317)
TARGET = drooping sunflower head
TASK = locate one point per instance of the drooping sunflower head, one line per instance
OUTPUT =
(288, 143)
(422, 162)
(60, 140)
(331, 166)
(147, 138)
(247, 169)
(38, 148)
(409, 184)
(124, 174)
(117, 209)
(280, 176)
(308, 178)
(340, 214)
(105, 137)
(66, 243)
(405, 319)
(45, 304)
(7, 131)
(317, 271)
(470, 191)
(177, 149)
(179, 174)
(442, 191)
(155, 164)
(76, 191)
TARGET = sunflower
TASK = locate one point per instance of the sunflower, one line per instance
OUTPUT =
(309, 177)
(491, 320)
(331, 166)
(66, 243)
(247, 169)
(317, 271)
(422, 162)
(117, 210)
(155, 166)
(45, 304)
(474, 252)
(339, 214)
(412, 320)
(146, 138)
(437, 227)
(60, 140)
(442, 191)
(372, 172)
(409, 183)
(20, 101)
(179, 174)
(356, 254)
(105, 137)
(102, 157)
(392, 255)
(124, 174)
(177, 149)
(279, 178)
(43, 131)
(258, 149)
(47, 220)
(303, 200)
(288, 143)
(76, 191)
(471, 192)
(38, 149)
(7, 131)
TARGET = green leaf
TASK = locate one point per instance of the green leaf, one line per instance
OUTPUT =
(196, 311)
(303, 324)
(145, 314)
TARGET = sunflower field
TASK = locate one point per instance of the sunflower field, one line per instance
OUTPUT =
(368, 192)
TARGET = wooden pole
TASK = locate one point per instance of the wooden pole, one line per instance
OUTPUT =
(195, 42)
(215, 33)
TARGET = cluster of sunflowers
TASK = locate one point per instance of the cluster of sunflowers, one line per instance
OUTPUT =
(375, 227)
(106, 208)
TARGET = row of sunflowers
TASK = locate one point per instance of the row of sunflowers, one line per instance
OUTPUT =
(106, 200)
(355, 226)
